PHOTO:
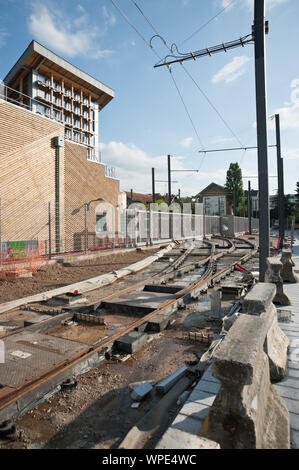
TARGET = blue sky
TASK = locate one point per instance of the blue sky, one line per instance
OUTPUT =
(147, 120)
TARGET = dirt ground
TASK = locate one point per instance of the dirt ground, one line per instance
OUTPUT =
(97, 413)
(59, 275)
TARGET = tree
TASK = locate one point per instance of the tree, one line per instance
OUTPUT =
(289, 207)
(234, 188)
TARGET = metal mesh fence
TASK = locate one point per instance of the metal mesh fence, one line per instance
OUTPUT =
(32, 230)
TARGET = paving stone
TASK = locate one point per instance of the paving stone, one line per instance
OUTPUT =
(178, 439)
(195, 410)
(294, 439)
(187, 424)
(202, 397)
(207, 386)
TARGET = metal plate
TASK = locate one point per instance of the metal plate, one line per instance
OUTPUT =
(28, 355)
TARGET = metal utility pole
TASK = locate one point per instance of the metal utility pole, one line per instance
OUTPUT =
(249, 208)
(280, 181)
(169, 180)
(262, 136)
(169, 197)
(153, 185)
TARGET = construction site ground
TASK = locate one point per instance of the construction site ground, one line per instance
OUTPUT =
(97, 412)
(51, 276)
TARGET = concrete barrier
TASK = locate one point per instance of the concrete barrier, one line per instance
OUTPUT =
(259, 302)
(247, 412)
(272, 275)
(287, 272)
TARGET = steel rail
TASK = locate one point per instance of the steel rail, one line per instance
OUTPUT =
(13, 395)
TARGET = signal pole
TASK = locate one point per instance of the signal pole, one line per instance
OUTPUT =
(280, 181)
(262, 136)
(153, 186)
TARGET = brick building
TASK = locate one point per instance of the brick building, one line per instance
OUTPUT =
(49, 154)
(214, 200)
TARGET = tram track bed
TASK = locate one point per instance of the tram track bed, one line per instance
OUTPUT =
(99, 341)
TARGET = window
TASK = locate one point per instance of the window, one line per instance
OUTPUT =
(56, 115)
(85, 125)
(222, 205)
(57, 86)
(67, 91)
(77, 123)
(77, 136)
(76, 110)
(67, 105)
(67, 118)
(85, 138)
(68, 133)
(101, 223)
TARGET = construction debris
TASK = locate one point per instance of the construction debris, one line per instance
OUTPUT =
(203, 335)
(141, 391)
(170, 381)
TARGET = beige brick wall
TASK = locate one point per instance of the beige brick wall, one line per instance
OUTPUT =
(27, 173)
(27, 181)
(84, 180)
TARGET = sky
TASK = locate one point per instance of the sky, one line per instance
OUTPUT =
(156, 112)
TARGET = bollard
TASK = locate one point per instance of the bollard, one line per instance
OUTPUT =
(216, 303)
(273, 276)
(248, 412)
(287, 272)
(259, 302)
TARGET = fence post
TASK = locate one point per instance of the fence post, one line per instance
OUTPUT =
(50, 230)
(85, 228)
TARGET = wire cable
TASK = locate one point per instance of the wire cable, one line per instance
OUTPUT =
(213, 106)
(153, 49)
(208, 22)
(191, 77)
(185, 106)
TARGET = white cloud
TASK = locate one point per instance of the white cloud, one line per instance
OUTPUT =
(231, 71)
(134, 165)
(187, 142)
(291, 154)
(53, 29)
(110, 19)
(3, 35)
(289, 114)
(134, 170)
(222, 140)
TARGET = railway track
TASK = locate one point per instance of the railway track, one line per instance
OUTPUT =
(33, 373)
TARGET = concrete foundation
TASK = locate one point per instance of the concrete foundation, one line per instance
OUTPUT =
(259, 303)
(287, 272)
(131, 342)
(273, 276)
(247, 412)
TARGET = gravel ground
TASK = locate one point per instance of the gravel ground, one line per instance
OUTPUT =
(58, 275)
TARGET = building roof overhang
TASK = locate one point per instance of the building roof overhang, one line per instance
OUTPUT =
(38, 57)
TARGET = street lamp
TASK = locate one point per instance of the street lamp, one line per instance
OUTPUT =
(87, 208)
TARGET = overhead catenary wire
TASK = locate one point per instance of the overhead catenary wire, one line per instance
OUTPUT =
(153, 49)
(149, 44)
(192, 78)
(207, 23)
